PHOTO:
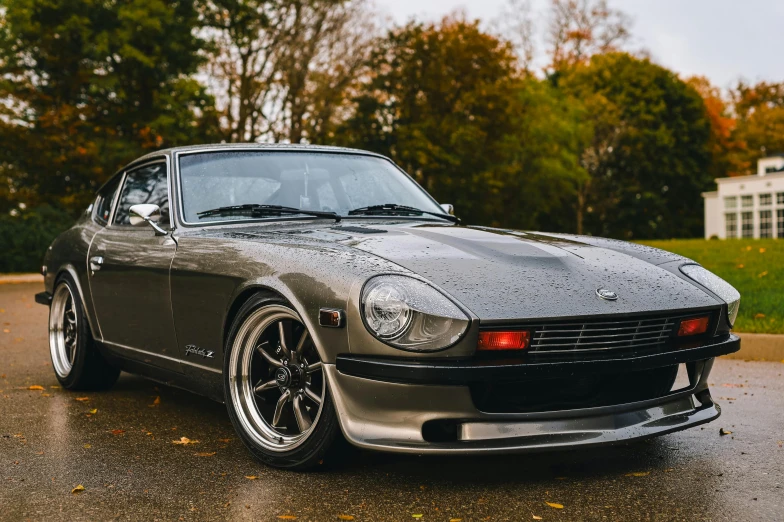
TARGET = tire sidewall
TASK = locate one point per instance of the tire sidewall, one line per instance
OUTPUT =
(312, 450)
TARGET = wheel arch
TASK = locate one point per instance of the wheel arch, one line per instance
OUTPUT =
(71, 271)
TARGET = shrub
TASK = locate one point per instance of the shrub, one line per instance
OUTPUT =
(24, 238)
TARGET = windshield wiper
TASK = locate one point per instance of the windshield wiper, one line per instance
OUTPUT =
(256, 210)
(393, 209)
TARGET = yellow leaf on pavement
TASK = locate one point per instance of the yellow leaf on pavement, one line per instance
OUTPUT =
(35, 387)
(418, 515)
(287, 517)
(93, 411)
(82, 399)
(639, 474)
(345, 517)
(251, 477)
(554, 505)
(205, 454)
(184, 441)
(77, 489)
(537, 518)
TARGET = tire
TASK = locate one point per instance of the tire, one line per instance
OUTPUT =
(76, 360)
(271, 403)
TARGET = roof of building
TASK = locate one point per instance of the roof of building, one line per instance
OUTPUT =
(779, 174)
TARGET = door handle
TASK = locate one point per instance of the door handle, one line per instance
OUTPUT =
(96, 262)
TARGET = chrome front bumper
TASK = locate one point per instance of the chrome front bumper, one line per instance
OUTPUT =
(390, 416)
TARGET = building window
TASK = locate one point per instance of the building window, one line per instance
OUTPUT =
(731, 225)
(765, 200)
(747, 201)
(747, 224)
(780, 223)
(730, 202)
(766, 223)
(780, 198)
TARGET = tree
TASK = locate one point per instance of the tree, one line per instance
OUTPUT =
(726, 150)
(650, 156)
(281, 69)
(759, 110)
(445, 101)
(89, 86)
(579, 29)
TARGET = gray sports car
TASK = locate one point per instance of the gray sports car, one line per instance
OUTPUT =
(323, 295)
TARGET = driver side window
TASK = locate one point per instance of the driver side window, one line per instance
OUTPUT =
(146, 184)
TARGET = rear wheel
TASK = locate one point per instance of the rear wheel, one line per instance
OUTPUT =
(77, 363)
(276, 390)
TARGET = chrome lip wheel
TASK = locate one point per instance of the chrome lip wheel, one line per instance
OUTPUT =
(63, 330)
(276, 381)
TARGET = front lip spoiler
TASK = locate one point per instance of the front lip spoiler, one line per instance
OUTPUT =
(401, 370)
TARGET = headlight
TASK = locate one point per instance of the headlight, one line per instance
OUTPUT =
(718, 286)
(409, 314)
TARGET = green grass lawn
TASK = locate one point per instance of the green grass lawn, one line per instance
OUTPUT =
(754, 266)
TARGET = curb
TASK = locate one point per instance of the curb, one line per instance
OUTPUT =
(759, 347)
(12, 279)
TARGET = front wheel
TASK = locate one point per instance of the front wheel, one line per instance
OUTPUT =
(77, 363)
(275, 387)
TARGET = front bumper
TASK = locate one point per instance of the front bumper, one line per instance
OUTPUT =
(389, 404)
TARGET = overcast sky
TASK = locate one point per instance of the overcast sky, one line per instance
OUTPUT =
(721, 39)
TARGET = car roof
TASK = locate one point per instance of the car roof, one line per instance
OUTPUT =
(217, 147)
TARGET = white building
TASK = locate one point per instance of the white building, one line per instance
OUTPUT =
(748, 206)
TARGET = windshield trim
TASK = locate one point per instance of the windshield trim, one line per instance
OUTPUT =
(288, 150)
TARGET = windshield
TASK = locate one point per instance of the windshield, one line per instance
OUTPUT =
(303, 180)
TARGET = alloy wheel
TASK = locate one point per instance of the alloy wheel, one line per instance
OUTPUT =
(276, 379)
(63, 330)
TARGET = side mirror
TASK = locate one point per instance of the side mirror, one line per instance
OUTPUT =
(147, 213)
(448, 208)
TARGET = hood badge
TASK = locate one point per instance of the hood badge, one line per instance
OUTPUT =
(608, 295)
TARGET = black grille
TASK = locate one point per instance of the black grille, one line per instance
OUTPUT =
(602, 335)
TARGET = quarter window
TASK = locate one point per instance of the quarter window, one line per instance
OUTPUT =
(780, 198)
(730, 202)
(731, 225)
(103, 203)
(765, 200)
(747, 224)
(747, 201)
(144, 185)
(766, 223)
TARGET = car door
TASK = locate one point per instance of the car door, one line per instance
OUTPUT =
(129, 273)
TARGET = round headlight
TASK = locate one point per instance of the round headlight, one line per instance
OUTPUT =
(718, 286)
(409, 314)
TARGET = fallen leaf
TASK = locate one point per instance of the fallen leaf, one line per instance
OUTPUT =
(251, 477)
(82, 399)
(225, 441)
(739, 266)
(118, 432)
(418, 515)
(35, 387)
(762, 250)
(759, 316)
(554, 505)
(537, 518)
(763, 274)
(638, 474)
(345, 517)
(93, 411)
(722, 431)
(87, 446)
(45, 395)
(77, 489)
(205, 454)
(455, 520)
(287, 517)
(6, 330)
(185, 440)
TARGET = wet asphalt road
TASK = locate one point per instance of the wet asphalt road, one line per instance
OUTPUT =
(123, 455)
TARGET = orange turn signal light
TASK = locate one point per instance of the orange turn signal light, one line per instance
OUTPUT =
(496, 341)
(696, 326)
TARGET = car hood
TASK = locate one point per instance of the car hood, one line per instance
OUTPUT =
(505, 275)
